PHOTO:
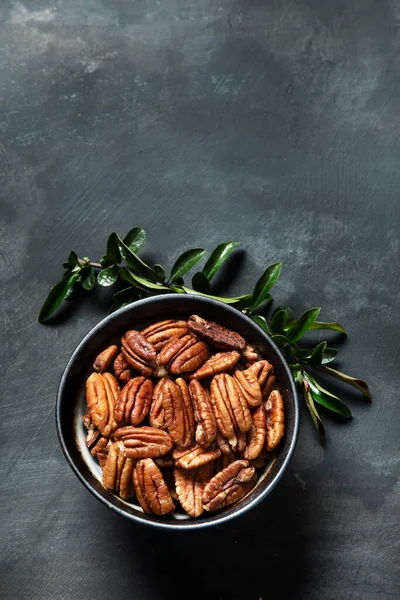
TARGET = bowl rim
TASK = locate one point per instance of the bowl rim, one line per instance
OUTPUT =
(188, 524)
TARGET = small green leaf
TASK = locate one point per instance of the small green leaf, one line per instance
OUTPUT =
(200, 283)
(315, 355)
(326, 399)
(329, 355)
(57, 295)
(288, 310)
(327, 326)
(135, 239)
(360, 384)
(242, 301)
(141, 282)
(134, 262)
(302, 324)
(283, 342)
(88, 278)
(178, 281)
(112, 255)
(159, 273)
(73, 257)
(108, 276)
(261, 322)
(186, 261)
(279, 320)
(313, 412)
(265, 283)
(217, 257)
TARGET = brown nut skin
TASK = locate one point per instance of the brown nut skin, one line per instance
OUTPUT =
(92, 432)
(194, 457)
(151, 489)
(263, 370)
(275, 420)
(118, 471)
(222, 362)
(216, 335)
(121, 369)
(102, 392)
(206, 429)
(189, 486)
(178, 412)
(257, 434)
(134, 401)
(139, 353)
(162, 332)
(229, 406)
(144, 441)
(183, 355)
(249, 387)
(229, 485)
(105, 359)
(100, 450)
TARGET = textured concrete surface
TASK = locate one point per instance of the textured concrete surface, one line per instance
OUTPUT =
(275, 123)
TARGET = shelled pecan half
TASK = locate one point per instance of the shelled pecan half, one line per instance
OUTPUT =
(151, 489)
(206, 428)
(121, 369)
(230, 407)
(229, 485)
(222, 362)
(216, 335)
(139, 353)
(194, 457)
(183, 355)
(178, 412)
(256, 435)
(104, 360)
(134, 401)
(249, 355)
(189, 485)
(249, 387)
(275, 420)
(162, 332)
(156, 416)
(264, 372)
(102, 392)
(144, 442)
(118, 470)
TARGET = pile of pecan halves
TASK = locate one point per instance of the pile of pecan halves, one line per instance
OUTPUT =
(183, 413)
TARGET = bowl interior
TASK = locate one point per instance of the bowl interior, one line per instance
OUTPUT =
(71, 404)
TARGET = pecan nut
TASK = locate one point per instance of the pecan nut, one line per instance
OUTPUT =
(162, 332)
(100, 450)
(230, 407)
(178, 412)
(194, 457)
(144, 442)
(92, 432)
(151, 489)
(236, 444)
(249, 355)
(118, 471)
(264, 372)
(215, 334)
(105, 359)
(101, 395)
(257, 434)
(206, 429)
(139, 353)
(249, 387)
(184, 354)
(189, 485)
(134, 401)
(222, 362)
(275, 420)
(121, 369)
(229, 485)
(156, 416)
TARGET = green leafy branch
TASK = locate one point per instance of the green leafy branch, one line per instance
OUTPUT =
(121, 264)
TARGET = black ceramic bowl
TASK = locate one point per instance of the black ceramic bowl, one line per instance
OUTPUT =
(70, 405)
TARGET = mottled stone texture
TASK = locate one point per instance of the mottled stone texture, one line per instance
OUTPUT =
(272, 122)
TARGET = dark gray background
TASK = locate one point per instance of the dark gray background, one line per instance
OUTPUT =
(272, 122)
